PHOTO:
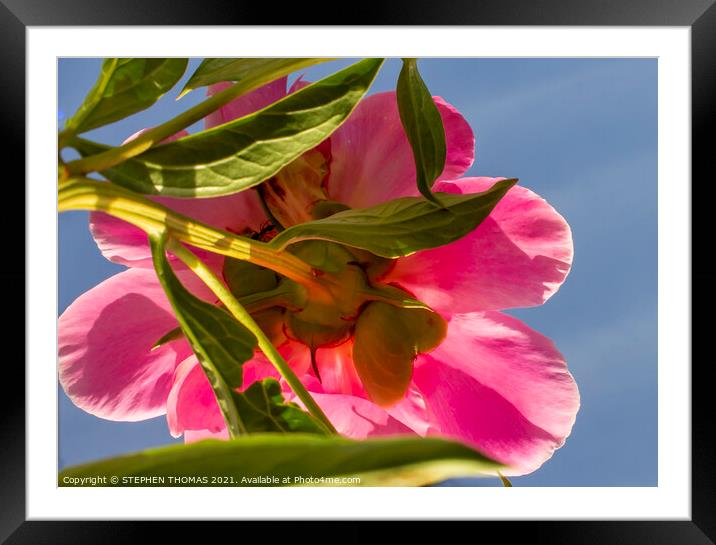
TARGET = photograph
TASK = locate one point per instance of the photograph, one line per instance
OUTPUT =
(357, 272)
(428, 263)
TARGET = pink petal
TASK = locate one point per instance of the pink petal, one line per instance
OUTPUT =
(338, 374)
(191, 404)
(339, 377)
(127, 245)
(246, 104)
(499, 385)
(459, 140)
(414, 412)
(294, 353)
(518, 257)
(119, 241)
(371, 157)
(106, 364)
(192, 409)
(352, 417)
(356, 417)
(192, 436)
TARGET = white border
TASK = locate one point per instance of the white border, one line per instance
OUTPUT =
(671, 499)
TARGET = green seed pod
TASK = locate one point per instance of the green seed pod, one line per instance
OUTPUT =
(244, 278)
(317, 335)
(271, 322)
(387, 340)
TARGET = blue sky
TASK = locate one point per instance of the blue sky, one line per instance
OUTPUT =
(580, 132)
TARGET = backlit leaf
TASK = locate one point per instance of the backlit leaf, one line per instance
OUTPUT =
(402, 226)
(290, 460)
(243, 153)
(263, 409)
(221, 343)
(212, 71)
(125, 87)
(423, 126)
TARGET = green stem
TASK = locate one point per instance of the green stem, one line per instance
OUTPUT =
(283, 296)
(63, 139)
(143, 142)
(152, 217)
(280, 297)
(392, 296)
(240, 313)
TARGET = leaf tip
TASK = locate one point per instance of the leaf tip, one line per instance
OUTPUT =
(505, 481)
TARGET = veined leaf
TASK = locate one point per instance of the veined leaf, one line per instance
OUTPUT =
(263, 409)
(125, 87)
(221, 344)
(292, 459)
(423, 126)
(212, 71)
(402, 226)
(243, 153)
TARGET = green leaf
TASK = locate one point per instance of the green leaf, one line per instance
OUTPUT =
(220, 343)
(212, 71)
(397, 461)
(423, 126)
(263, 409)
(402, 226)
(169, 336)
(247, 151)
(125, 87)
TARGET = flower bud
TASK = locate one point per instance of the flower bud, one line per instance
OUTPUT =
(328, 316)
(244, 278)
(387, 340)
(271, 322)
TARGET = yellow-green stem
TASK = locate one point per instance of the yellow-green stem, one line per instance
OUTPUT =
(240, 313)
(152, 217)
(282, 296)
(119, 154)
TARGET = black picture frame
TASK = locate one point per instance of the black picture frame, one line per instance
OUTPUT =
(699, 15)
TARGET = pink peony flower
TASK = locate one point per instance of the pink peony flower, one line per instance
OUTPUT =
(493, 382)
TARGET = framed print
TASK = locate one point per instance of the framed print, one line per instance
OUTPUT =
(451, 288)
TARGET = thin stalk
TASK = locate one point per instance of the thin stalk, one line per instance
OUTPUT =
(152, 217)
(256, 302)
(119, 154)
(240, 313)
(281, 296)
